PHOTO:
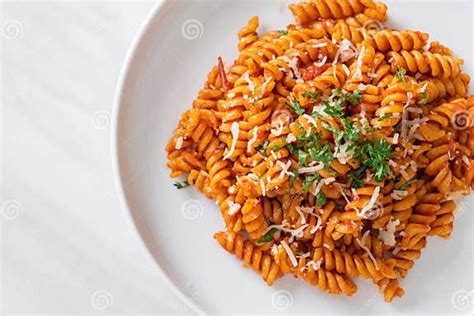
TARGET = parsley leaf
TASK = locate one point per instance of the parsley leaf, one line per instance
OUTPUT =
(263, 148)
(401, 75)
(293, 177)
(405, 186)
(283, 32)
(308, 181)
(320, 199)
(268, 236)
(374, 154)
(295, 106)
(355, 97)
(302, 158)
(423, 99)
(181, 185)
(313, 95)
(280, 146)
(385, 116)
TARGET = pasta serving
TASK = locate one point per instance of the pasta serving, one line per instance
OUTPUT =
(333, 147)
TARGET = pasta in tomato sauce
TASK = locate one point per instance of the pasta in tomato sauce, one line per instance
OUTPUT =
(334, 148)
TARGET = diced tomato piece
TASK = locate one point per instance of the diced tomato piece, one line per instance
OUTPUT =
(313, 71)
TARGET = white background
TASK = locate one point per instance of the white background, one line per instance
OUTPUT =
(59, 67)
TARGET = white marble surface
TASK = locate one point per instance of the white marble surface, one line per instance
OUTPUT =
(67, 246)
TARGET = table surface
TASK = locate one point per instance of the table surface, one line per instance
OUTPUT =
(67, 245)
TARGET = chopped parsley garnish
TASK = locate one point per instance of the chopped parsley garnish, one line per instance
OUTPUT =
(302, 158)
(263, 148)
(401, 75)
(181, 185)
(283, 32)
(295, 106)
(313, 95)
(320, 199)
(405, 186)
(374, 154)
(280, 146)
(293, 177)
(268, 236)
(308, 181)
(355, 97)
(385, 116)
(423, 99)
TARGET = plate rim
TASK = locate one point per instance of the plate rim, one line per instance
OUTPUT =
(127, 65)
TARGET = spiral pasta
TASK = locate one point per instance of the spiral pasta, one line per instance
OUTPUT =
(334, 148)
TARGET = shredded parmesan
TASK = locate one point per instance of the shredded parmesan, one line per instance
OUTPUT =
(404, 174)
(234, 129)
(362, 245)
(321, 62)
(262, 187)
(315, 265)
(277, 131)
(300, 213)
(290, 138)
(233, 207)
(179, 143)
(371, 203)
(360, 59)
(253, 139)
(293, 64)
(395, 138)
(317, 226)
(290, 253)
(317, 186)
(247, 79)
(313, 169)
(399, 194)
(388, 235)
(320, 45)
(284, 168)
(346, 69)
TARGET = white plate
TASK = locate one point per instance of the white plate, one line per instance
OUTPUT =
(164, 71)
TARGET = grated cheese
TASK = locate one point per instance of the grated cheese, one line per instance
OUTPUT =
(346, 69)
(179, 143)
(317, 226)
(290, 253)
(315, 265)
(293, 64)
(264, 86)
(277, 131)
(253, 139)
(317, 186)
(465, 159)
(371, 203)
(388, 235)
(233, 207)
(321, 62)
(290, 138)
(284, 168)
(399, 194)
(313, 169)
(320, 45)
(300, 213)
(395, 138)
(360, 59)
(362, 245)
(247, 79)
(262, 187)
(234, 129)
